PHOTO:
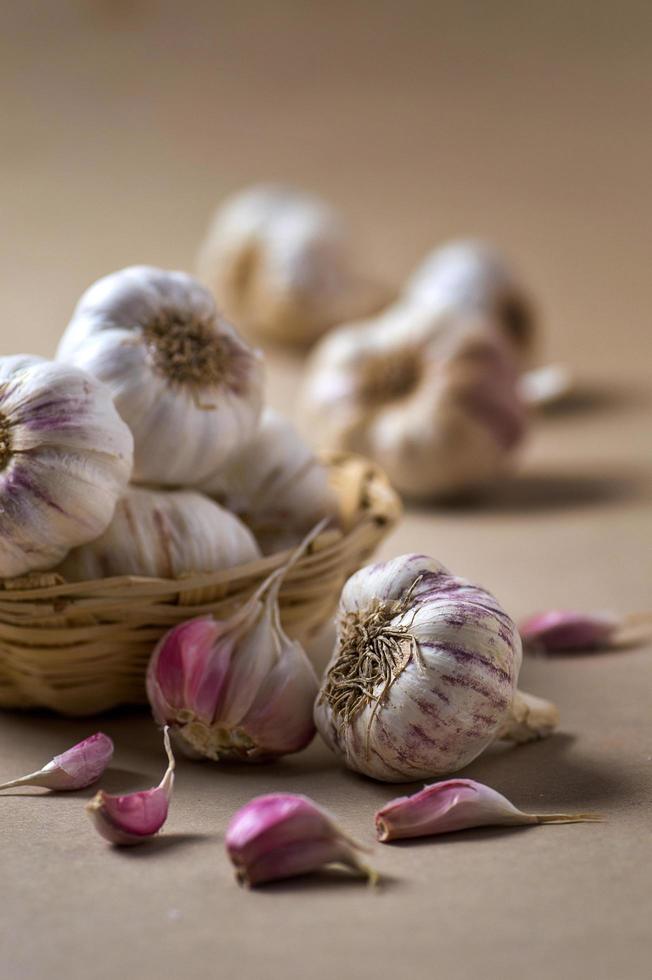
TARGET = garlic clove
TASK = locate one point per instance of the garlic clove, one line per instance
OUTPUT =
(283, 835)
(136, 817)
(78, 767)
(457, 804)
(562, 629)
(546, 386)
(528, 719)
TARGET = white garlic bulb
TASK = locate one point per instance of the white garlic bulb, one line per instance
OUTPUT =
(163, 535)
(276, 485)
(65, 458)
(472, 276)
(183, 380)
(432, 396)
(281, 266)
(423, 674)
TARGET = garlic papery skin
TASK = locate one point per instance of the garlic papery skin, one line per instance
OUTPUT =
(235, 689)
(65, 458)
(185, 383)
(276, 485)
(136, 817)
(431, 396)
(472, 277)
(163, 534)
(78, 767)
(457, 804)
(283, 835)
(282, 267)
(423, 673)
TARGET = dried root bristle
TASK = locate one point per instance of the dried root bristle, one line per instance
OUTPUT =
(187, 350)
(5, 442)
(390, 377)
(372, 655)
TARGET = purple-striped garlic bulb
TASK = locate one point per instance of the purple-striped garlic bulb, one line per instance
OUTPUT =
(282, 267)
(65, 459)
(431, 395)
(186, 384)
(423, 676)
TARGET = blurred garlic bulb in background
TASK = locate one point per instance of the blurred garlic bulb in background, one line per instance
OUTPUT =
(276, 485)
(473, 277)
(163, 534)
(431, 396)
(423, 675)
(65, 458)
(281, 266)
(185, 383)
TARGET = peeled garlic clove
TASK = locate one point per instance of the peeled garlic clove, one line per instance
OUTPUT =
(281, 266)
(186, 384)
(457, 804)
(431, 396)
(423, 673)
(473, 277)
(283, 835)
(163, 534)
(65, 458)
(136, 817)
(234, 689)
(276, 485)
(563, 629)
(78, 767)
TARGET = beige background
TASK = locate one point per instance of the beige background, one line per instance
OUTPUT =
(123, 123)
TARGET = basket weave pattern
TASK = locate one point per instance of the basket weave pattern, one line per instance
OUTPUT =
(82, 648)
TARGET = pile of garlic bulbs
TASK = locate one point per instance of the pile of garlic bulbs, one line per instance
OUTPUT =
(143, 449)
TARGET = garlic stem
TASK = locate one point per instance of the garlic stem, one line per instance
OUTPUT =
(528, 719)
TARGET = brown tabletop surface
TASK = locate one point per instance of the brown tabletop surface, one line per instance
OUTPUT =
(123, 124)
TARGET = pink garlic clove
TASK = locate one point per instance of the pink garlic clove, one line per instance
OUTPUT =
(78, 767)
(283, 835)
(457, 804)
(136, 817)
(561, 629)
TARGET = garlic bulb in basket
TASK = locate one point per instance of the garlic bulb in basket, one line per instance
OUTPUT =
(163, 534)
(423, 674)
(65, 458)
(276, 485)
(280, 264)
(472, 277)
(430, 395)
(186, 384)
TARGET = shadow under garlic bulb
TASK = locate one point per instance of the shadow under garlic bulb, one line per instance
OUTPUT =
(431, 396)
(65, 458)
(163, 534)
(182, 379)
(423, 674)
(473, 277)
(282, 267)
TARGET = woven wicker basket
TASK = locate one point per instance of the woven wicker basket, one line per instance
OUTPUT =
(83, 648)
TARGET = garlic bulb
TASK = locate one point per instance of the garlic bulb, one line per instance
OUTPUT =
(473, 277)
(423, 673)
(185, 383)
(431, 396)
(281, 266)
(163, 534)
(65, 458)
(276, 485)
